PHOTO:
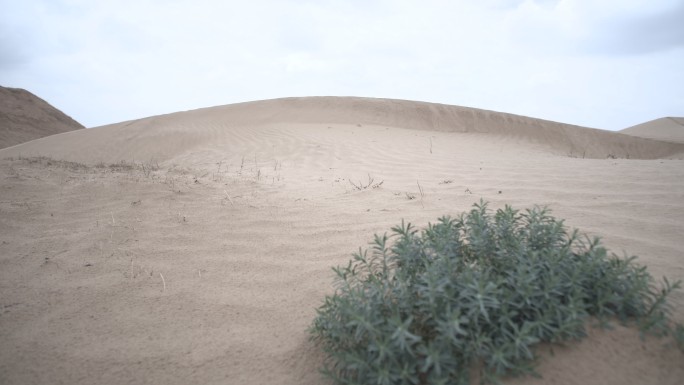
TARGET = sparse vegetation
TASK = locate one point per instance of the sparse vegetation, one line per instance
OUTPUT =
(571, 154)
(146, 168)
(477, 291)
(46, 161)
(370, 184)
(420, 190)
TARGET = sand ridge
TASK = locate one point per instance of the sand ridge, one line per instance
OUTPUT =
(163, 137)
(670, 129)
(25, 117)
(243, 210)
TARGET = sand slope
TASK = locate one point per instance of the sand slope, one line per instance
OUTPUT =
(243, 210)
(168, 136)
(24, 117)
(666, 129)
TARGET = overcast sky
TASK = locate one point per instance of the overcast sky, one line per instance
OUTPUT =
(600, 63)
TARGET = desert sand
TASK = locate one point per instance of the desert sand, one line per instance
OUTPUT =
(202, 258)
(24, 117)
(668, 129)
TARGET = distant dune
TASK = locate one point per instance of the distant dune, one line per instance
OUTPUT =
(24, 117)
(167, 136)
(670, 129)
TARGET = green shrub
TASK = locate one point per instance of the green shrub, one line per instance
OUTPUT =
(475, 292)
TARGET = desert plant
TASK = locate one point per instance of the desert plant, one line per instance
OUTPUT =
(679, 336)
(370, 184)
(477, 291)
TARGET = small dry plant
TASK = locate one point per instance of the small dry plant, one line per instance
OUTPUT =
(370, 184)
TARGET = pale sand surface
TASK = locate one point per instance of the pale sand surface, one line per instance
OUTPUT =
(25, 117)
(668, 129)
(251, 207)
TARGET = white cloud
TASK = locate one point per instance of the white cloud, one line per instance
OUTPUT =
(598, 27)
(605, 64)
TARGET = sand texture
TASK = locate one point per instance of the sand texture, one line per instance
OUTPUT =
(25, 117)
(202, 258)
(668, 129)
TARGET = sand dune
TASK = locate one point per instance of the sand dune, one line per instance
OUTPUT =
(666, 129)
(243, 209)
(165, 137)
(24, 117)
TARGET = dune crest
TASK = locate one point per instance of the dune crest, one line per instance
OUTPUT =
(669, 129)
(25, 117)
(188, 131)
